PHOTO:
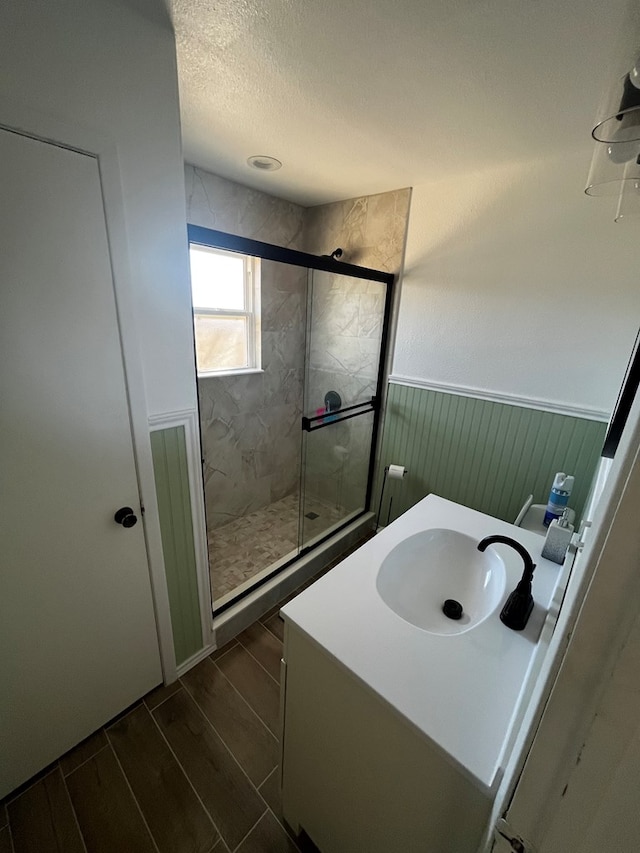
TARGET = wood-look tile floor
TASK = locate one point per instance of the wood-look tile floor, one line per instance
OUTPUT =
(191, 768)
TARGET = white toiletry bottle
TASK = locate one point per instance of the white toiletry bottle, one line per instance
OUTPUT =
(558, 497)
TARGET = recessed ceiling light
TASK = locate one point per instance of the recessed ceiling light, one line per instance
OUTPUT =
(264, 163)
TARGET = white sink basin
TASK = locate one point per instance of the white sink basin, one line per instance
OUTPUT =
(423, 571)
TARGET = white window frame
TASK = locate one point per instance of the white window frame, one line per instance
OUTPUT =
(251, 273)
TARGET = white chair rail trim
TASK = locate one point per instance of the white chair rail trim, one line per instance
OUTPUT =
(540, 404)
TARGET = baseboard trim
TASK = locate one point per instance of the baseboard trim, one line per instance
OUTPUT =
(195, 659)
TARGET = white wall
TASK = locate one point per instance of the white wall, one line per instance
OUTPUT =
(100, 64)
(516, 282)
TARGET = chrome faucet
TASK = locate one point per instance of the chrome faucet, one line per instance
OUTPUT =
(517, 609)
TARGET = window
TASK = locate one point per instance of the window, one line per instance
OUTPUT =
(225, 292)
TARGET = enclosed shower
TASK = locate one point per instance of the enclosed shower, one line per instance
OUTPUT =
(289, 357)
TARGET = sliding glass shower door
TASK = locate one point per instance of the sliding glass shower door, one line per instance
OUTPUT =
(345, 324)
(273, 490)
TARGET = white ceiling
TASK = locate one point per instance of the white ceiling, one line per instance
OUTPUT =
(363, 96)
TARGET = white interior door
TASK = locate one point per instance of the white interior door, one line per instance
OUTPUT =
(77, 627)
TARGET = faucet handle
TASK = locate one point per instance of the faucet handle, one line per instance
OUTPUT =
(578, 538)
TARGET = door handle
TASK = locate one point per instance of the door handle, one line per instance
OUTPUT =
(125, 516)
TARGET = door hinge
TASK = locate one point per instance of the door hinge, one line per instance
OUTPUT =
(518, 844)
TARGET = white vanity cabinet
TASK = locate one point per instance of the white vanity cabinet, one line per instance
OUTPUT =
(394, 737)
(357, 776)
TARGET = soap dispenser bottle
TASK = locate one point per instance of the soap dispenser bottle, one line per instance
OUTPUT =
(558, 497)
(558, 539)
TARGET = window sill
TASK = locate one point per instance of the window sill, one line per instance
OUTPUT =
(239, 372)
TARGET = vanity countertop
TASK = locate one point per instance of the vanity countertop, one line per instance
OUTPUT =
(462, 691)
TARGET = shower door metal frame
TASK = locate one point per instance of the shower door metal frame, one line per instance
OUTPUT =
(202, 236)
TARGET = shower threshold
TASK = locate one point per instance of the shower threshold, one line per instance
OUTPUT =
(253, 581)
(271, 591)
(249, 550)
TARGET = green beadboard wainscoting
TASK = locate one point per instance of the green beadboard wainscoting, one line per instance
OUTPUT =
(168, 448)
(486, 455)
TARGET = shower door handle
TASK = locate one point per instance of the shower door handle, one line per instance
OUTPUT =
(333, 417)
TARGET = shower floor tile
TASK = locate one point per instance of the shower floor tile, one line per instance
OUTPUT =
(245, 547)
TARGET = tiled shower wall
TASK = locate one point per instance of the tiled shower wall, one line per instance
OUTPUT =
(370, 230)
(346, 327)
(251, 424)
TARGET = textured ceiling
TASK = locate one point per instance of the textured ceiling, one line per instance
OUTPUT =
(365, 96)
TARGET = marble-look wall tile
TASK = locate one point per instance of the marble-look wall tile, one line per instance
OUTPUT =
(214, 202)
(345, 355)
(282, 351)
(283, 297)
(346, 330)
(238, 500)
(284, 386)
(250, 424)
(337, 463)
(352, 389)
(251, 459)
(370, 230)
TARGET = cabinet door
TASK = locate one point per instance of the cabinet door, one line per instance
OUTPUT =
(357, 777)
(77, 626)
